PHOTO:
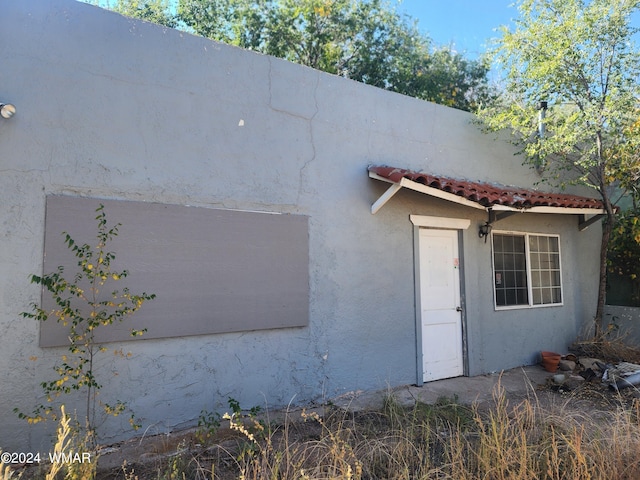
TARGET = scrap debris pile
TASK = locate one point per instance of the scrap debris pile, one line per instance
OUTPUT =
(622, 375)
(615, 365)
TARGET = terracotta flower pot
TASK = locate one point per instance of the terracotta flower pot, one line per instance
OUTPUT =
(550, 361)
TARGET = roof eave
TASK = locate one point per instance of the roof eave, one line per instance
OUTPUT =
(434, 192)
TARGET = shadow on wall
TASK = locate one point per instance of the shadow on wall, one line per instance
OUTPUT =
(623, 291)
(626, 321)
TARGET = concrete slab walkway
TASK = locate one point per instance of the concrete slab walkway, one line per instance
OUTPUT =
(518, 383)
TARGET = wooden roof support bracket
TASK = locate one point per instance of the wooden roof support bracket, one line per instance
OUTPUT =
(418, 187)
(584, 222)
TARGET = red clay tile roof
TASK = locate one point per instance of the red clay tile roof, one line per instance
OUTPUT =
(487, 194)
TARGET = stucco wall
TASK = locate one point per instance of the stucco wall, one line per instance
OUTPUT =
(114, 108)
(626, 321)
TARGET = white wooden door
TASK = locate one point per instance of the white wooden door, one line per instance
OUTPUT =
(441, 315)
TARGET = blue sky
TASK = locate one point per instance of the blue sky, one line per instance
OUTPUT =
(467, 25)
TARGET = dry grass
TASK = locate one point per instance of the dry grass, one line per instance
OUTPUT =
(611, 347)
(443, 441)
(527, 441)
(592, 435)
(517, 441)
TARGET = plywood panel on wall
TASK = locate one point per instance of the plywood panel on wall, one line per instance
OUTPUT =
(213, 271)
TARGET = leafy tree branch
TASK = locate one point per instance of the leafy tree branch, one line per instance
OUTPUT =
(84, 304)
(579, 57)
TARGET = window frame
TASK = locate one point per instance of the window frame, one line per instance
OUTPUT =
(527, 252)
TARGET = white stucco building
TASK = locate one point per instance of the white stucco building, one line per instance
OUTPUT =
(245, 186)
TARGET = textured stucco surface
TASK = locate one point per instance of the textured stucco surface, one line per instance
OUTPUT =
(114, 108)
(626, 321)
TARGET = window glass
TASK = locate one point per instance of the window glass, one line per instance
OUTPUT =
(510, 270)
(526, 269)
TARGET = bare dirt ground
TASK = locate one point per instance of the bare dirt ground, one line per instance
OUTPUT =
(166, 456)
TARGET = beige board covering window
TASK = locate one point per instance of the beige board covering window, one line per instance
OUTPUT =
(212, 270)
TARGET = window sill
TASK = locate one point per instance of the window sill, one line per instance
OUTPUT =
(526, 307)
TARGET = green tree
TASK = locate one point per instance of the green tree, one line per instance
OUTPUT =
(367, 41)
(579, 57)
(155, 11)
(624, 257)
(624, 250)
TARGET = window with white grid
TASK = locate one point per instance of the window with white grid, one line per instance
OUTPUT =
(526, 270)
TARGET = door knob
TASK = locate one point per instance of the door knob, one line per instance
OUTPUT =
(458, 309)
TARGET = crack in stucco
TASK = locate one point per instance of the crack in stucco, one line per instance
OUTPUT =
(30, 170)
(239, 360)
(308, 118)
(311, 136)
(281, 110)
(125, 81)
(79, 67)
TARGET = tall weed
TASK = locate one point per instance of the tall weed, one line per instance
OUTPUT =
(530, 439)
